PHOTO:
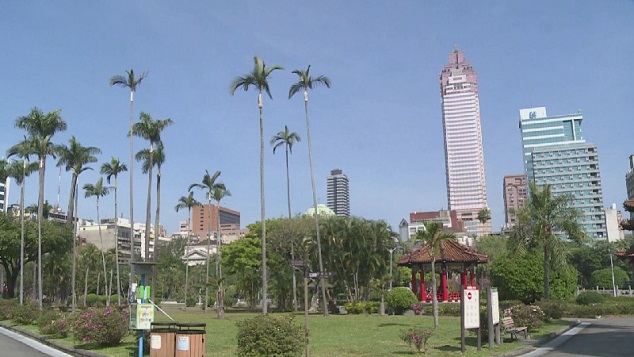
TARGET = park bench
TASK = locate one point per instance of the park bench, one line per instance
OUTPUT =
(509, 326)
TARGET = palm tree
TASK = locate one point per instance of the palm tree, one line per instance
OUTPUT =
(41, 128)
(542, 220)
(75, 157)
(131, 82)
(110, 169)
(18, 171)
(188, 202)
(259, 78)
(150, 130)
(158, 159)
(433, 235)
(219, 192)
(208, 184)
(99, 190)
(306, 82)
(288, 139)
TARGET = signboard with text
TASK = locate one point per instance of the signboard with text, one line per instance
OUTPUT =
(141, 316)
(495, 306)
(471, 312)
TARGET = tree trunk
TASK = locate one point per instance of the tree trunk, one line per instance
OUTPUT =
(71, 200)
(208, 253)
(156, 231)
(22, 233)
(434, 291)
(290, 231)
(220, 298)
(132, 238)
(103, 258)
(262, 210)
(116, 239)
(40, 215)
(86, 286)
(74, 268)
(148, 207)
(546, 272)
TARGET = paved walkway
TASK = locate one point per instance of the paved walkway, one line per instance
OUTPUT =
(13, 344)
(606, 337)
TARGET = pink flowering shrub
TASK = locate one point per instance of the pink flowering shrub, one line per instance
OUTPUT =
(417, 337)
(101, 326)
(54, 323)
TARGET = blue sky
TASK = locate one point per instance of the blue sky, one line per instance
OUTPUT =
(380, 122)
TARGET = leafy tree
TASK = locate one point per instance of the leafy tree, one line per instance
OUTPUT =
(288, 139)
(99, 190)
(242, 259)
(304, 83)
(219, 192)
(492, 246)
(40, 129)
(210, 185)
(541, 221)
(75, 157)
(433, 235)
(188, 202)
(113, 169)
(259, 78)
(603, 277)
(484, 215)
(150, 130)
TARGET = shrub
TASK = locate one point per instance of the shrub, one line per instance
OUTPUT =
(24, 314)
(6, 308)
(448, 309)
(553, 309)
(104, 327)
(400, 299)
(603, 277)
(53, 323)
(191, 301)
(530, 316)
(354, 307)
(418, 308)
(590, 298)
(114, 299)
(92, 299)
(267, 335)
(417, 337)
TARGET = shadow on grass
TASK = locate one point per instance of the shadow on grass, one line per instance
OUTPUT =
(447, 348)
(388, 324)
(405, 353)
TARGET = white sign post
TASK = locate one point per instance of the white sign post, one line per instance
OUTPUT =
(494, 308)
(470, 312)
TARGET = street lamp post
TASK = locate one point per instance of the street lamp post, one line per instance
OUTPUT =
(612, 269)
(391, 255)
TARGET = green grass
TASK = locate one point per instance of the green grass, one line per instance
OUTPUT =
(336, 335)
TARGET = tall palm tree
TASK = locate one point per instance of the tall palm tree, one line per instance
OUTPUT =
(433, 235)
(75, 157)
(259, 78)
(113, 169)
(188, 202)
(306, 82)
(158, 159)
(209, 185)
(150, 130)
(219, 192)
(131, 82)
(19, 171)
(41, 128)
(99, 190)
(542, 221)
(288, 139)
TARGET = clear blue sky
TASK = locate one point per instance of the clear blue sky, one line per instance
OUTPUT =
(380, 122)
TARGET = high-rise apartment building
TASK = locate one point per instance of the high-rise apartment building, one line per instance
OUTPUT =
(556, 153)
(629, 180)
(201, 223)
(4, 195)
(338, 193)
(464, 156)
(515, 192)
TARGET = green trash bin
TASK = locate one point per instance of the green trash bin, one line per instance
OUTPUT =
(190, 340)
(163, 339)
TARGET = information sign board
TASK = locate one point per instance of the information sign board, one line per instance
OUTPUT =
(495, 306)
(471, 312)
(141, 316)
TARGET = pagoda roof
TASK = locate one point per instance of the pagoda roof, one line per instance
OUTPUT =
(450, 252)
(626, 254)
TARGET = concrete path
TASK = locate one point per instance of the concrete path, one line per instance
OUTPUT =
(13, 344)
(606, 337)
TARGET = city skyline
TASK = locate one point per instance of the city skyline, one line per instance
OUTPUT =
(380, 120)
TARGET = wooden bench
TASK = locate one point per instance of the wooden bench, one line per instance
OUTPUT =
(509, 326)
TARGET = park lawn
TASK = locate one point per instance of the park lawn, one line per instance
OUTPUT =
(335, 335)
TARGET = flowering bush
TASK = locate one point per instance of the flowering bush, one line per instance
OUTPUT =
(53, 323)
(418, 308)
(101, 326)
(417, 337)
(530, 316)
(24, 314)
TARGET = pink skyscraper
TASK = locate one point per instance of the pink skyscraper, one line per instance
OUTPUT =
(464, 158)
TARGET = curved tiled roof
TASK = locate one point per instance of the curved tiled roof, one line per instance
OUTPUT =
(450, 252)
(626, 254)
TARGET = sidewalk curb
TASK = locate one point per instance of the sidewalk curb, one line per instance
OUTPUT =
(542, 342)
(70, 350)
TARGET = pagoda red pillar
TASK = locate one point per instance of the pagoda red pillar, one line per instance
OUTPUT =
(473, 279)
(463, 275)
(443, 282)
(414, 281)
(423, 293)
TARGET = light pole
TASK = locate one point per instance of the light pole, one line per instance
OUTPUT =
(391, 255)
(612, 269)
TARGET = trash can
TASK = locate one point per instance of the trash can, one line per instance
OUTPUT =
(162, 339)
(190, 340)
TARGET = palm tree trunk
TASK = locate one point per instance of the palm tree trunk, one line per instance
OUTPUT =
(312, 181)
(288, 195)
(220, 310)
(71, 200)
(156, 231)
(86, 285)
(132, 238)
(103, 257)
(546, 272)
(148, 208)
(22, 233)
(74, 272)
(434, 291)
(208, 253)
(189, 239)
(262, 210)
(116, 240)
(40, 214)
